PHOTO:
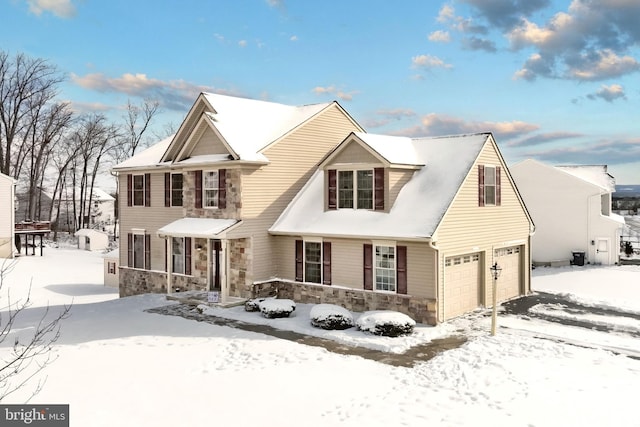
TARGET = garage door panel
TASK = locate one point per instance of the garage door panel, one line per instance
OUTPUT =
(510, 260)
(462, 284)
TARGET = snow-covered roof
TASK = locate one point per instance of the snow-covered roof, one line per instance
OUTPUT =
(395, 149)
(196, 227)
(594, 174)
(149, 157)
(112, 254)
(419, 206)
(89, 232)
(248, 125)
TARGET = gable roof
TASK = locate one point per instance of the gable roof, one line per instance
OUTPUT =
(393, 150)
(419, 206)
(594, 174)
(149, 157)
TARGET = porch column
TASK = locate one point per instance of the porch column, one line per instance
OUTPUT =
(224, 280)
(169, 250)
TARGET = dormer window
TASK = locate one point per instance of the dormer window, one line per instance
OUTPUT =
(356, 189)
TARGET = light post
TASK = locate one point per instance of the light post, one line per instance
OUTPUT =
(495, 272)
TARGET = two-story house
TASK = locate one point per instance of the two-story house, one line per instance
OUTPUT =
(413, 225)
(195, 208)
(571, 207)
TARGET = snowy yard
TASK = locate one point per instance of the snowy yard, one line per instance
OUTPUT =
(119, 365)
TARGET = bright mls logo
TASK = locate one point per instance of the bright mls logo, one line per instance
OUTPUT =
(34, 415)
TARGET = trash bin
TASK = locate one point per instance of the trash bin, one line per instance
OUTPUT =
(578, 258)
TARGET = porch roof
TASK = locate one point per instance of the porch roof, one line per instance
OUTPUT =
(206, 228)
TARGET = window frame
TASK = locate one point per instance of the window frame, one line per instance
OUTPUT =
(215, 189)
(177, 198)
(174, 255)
(138, 191)
(355, 191)
(306, 262)
(391, 272)
(490, 188)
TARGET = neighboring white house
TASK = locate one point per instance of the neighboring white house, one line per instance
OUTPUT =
(571, 209)
(102, 210)
(7, 215)
(111, 274)
(92, 240)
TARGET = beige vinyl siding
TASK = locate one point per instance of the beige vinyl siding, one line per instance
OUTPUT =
(353, 153)
(267, 191)
(347, 264)
(208, 143)
(396, 179)
(468, 228)
(149, 219)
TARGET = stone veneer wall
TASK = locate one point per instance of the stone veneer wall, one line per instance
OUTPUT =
(234, 197)
(422, 310)
(240, 268)
(136, 282)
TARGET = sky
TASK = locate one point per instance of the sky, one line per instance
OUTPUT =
(556, 81)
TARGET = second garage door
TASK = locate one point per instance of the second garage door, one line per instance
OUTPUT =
(509, 259)
(461, 284)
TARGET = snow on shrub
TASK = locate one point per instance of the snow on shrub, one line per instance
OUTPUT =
(386, 323)
(252, 304)
(272, 308)
(330, 316)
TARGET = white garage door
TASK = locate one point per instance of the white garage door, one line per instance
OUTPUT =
(461, 284)
(509, 259)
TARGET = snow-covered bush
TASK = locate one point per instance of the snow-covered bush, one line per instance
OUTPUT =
(252, 304)
(330, 316)
(272, 308)
(386, 323)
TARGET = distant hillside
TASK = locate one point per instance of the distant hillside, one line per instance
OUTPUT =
(626, 191)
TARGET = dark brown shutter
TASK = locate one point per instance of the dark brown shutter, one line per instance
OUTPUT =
(401, 269)
(129, 250)
(187, 256)
(147, 189)
(498, 187)
(332, 189)
(378, 175)
(147, 252)
(167, 189)
(368, 266)
(480, 185)
(129, 190)
(299, 261)
(326, 263)
(222, 189)
(198, 178)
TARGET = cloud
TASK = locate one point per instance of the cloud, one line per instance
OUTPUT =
(384, 117)
(608, 93)
(440, 36)
(173, 95)
(60, 8)
(434, 125)
(428, 61)
(275, 3)
(293, 38)
(332, 90)
(89, 107)
(602, 153)
(242, 43)
(544, 138)
(603, 65)
(505, 14)
(476, 43)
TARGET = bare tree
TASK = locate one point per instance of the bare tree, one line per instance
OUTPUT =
(30, 353)
(137, 122)
(27, 86)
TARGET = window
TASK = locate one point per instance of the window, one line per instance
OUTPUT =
(210, 188)
(313, 262)
(489, 185)
(111, 267)
(139, 250)
(178, 253)
(385, 268)
(138, 190)
(365, 189)
(362, 188)
(345, 189)
(176, 189)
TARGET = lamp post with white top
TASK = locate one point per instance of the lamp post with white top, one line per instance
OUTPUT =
(495, 273)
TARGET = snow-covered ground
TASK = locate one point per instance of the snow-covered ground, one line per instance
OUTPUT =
(118, 365)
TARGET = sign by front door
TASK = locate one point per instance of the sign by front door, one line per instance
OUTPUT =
(213, 297)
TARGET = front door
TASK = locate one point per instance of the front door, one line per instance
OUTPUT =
(216, 268)
(602, 251)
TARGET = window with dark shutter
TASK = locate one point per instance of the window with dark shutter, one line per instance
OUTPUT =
(480, 185)
(198, 179)
(379, 188)
(299, 261)
(129, 190)
(326, 263)
(332, 186)
(167, 189)
(368, 266)
(147, 252)
(187, 256)
(222, 189)
(498, 187)
(147, 189)
(401, 269)
(129, 250)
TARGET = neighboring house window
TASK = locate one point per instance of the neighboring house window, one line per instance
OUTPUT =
(111, 267)
(359, 189)
(181, 255)
(385, 268)
(139, 190)
(489, 187)
(173, 183)
(313, 262)
(139, 250)
(211, 189)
